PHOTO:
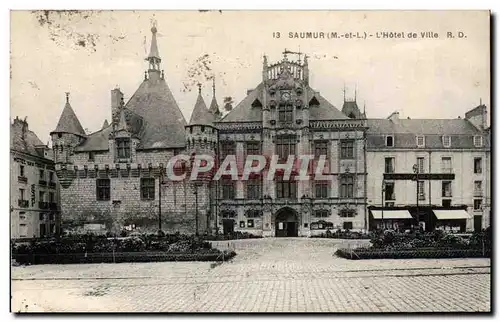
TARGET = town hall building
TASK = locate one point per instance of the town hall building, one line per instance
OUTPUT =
(114, 178)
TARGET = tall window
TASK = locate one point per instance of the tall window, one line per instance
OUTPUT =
(91, 156)
(253, 213)
(323, 213)
(21, 170)
(52, 198)
(478, 165)
(285, 146)
(41, 196)
(346, 149)
(446, 165)
(420, 164)
(389, 141)
(347, 213)
(228, 190)
(21, 194)
(478, 204)
(446, 189)
(123, 148)
(42, 174)
(103, 189)
(253, 148)
(147, 188)
(320, 148)
(389, 165)
(478, 188)
(389, 193)
(347, 187)
(51, 176)
(321, 189)
(227, 148)
(420, 141)
(285, 113)
(421, 190)
(478, 141)
(286, 189)
(446, 141)
(253, 189)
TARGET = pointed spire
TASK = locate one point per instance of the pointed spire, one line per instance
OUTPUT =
(105, 124)
(355, 92)
(154, 55)
(214, 106)
(122, 124)
(344, 92)
(201, 115)
(68, 122)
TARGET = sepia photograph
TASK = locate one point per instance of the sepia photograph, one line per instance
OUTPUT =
(238, 161)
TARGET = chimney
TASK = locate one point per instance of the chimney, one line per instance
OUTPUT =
(394, 117)
(116, 99)
(477, 116)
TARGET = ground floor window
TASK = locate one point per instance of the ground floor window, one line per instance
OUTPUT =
(347, 225)
(250, 223)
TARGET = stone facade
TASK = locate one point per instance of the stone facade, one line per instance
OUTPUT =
(34, 190)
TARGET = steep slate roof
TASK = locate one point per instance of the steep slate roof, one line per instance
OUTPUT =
(26, 142)
(405, 131)
(214, 107)
(200, 114)
(68, 122)
(244, 112)
(163, 120)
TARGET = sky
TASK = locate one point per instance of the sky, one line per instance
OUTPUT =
(89, 53)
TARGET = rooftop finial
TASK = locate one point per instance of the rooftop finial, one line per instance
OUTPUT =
(199, 88)
(162, 74)
(480, 101)
(344, 91)
(213, 85)
(154, 56)
(145, 75)
(67, 97)
(355, 92)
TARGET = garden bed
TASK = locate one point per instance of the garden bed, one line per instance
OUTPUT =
(342, 235)
(360, 253)
(437, 244)
(121, 257)
(101, 249)
(232, 236)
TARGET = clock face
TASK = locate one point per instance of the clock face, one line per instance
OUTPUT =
(285, 96)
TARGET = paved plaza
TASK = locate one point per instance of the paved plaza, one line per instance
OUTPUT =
(267, 275)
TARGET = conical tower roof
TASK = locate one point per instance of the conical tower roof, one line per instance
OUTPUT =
(105, 125)
(201, 115)
(68, 122)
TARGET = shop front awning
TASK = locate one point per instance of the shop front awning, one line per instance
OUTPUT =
(391, 214)
(451, 214)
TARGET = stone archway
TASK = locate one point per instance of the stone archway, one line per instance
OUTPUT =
(286, 223)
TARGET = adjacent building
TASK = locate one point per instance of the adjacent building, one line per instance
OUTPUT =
(114, 178)
(34, 192)
(432, 173)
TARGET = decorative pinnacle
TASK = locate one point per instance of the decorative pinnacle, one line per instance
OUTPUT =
(67, 97)
(199, 88)
(213, 85)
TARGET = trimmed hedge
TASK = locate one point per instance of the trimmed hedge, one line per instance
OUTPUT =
(411, 253)
(338, 234)
(97, 249)
(122, 257)
(231, 236)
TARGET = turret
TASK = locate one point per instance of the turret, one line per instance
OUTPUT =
(201, 133)
(68, 134)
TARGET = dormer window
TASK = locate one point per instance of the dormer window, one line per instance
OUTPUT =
(478, 141)
(446, 141)
(389, 141)
(123, 148)
(420, 141)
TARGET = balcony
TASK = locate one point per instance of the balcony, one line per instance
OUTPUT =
(23, 203)
(52, 206)
(22, 179)
(42, 182)
(43, 205)
(52, 184)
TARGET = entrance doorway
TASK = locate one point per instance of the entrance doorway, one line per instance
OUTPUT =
(227, 226)
(286, 223)
(478, 223)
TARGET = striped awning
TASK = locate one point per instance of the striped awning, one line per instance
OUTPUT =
(391, 214)
(451, 214)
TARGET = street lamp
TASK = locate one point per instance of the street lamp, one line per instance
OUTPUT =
(416, 171)
(383, 191)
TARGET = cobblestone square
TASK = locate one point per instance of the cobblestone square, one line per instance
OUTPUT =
(267, 275)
